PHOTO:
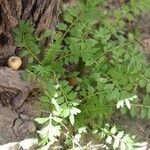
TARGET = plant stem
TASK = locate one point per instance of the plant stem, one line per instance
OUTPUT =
(69, 28)
(140, 105)
(64, 95)
(116, 84)
(71, 136)
(91, 95)
(34, 56)
(67, 55)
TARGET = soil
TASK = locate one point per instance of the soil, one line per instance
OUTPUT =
(18, 125)
(134, 126)
(144, 23)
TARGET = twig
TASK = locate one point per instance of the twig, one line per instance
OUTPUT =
(140, 105)
(141, 43)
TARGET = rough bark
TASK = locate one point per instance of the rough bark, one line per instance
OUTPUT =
(43, 13)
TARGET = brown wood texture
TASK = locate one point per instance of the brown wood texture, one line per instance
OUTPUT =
(44, 14)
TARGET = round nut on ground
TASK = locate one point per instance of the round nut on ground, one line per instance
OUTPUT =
(14, 62)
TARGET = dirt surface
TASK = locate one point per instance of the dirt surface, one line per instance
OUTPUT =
(18, 125)
(134, 126)
(144, 23)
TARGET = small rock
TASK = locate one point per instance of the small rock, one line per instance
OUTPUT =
(24, 117)
(31, 127)
(24, 128)
(27, 127)
(18, 123)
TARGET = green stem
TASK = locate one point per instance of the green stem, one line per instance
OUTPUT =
(34, 56)
(30, 72)
(69, 28)
(91, 95)
(140, 105)
(64, 95)
(117, 85)
(65, 56)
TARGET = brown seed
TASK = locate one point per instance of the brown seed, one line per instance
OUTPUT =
(14, 62)
(73, 82)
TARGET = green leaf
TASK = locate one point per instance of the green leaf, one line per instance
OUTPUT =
(120, 104)
(72, 96)
(23, 53)
(113, 130)
(59, 120)
(142, 83)
(30, 60)
(54, 102)
(68, 18)
(146, 100)
(62, 26)
(115, 95)
(148, 87)
(42, 120)
(73, 11)
(71, 118)
(65, 113)
(75, 111)
(122, 146)
(131, 36)
(148, 114)
(128, 103)
(109, 140)
(116, 143)
(144, 112)
(147, 72)
(120, 135)
(134, 111)
(60, 100)
(47, 33)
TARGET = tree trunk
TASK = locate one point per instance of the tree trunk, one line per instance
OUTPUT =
(43, 13)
